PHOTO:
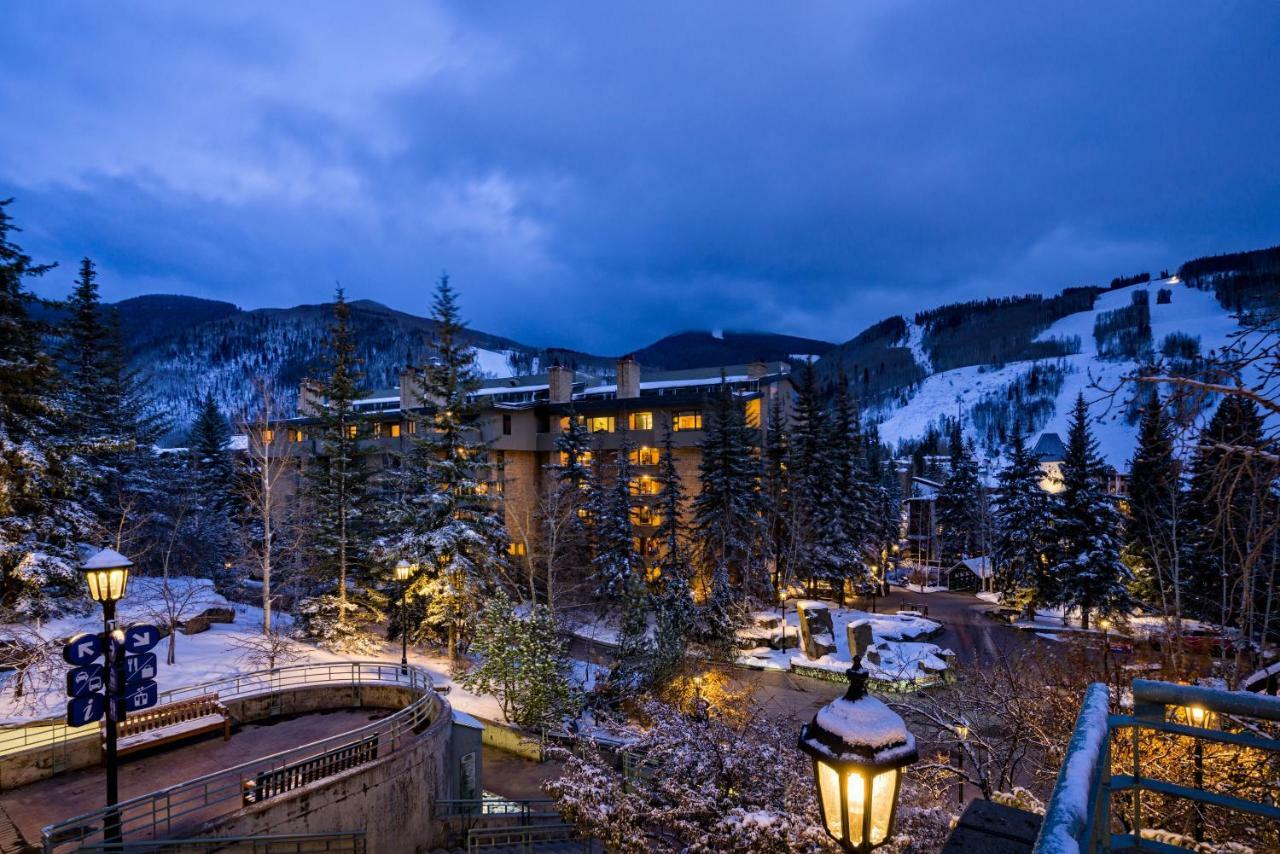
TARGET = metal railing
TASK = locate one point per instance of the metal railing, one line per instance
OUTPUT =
(184, 806)
(352, 842)
(1078, 817)
(522, 838)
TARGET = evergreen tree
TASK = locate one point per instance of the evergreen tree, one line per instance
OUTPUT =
(775, 498)
(886, 491)
(338, 494)
(845, 515)
(809, 461)
(113, 421)
(42, 519)
(673, 606)
(1022, 516)
(726, 519)
(1222, 505)
(450, 517)
(1086, 556)
(959, 503)
(212, 472)
(615, 564)
(1152, 526)
(523, 662)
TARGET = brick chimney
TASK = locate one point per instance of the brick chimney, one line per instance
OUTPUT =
(757, 369)
(628, 371)
(310, 398)
(560, 384)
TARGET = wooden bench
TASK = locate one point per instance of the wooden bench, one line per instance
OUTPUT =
(173, 722)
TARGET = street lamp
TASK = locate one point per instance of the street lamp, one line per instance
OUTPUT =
(1197, 716)
(962, 734)
(107, 575)
(859, 748)
(404, 571)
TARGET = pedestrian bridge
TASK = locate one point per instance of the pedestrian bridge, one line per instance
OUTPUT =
(322, 749)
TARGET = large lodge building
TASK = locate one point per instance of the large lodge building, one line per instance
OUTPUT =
(522, 416)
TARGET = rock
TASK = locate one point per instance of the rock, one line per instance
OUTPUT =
(768, 622)
(196, 625)
(219, 615)
(859, 634)
(817, 635)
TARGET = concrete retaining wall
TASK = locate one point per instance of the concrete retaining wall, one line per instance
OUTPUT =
(506, 737)
(392, 799)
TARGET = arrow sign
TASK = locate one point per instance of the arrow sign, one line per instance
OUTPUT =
(82, 649)
(85, 680)
(144, 695)
(139, 668)
(85, 710)
(140, 639)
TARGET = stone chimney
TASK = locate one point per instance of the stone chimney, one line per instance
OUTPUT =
(628, 378)
(410, 389)
(310, 398)
(757, 369)
(560, 384)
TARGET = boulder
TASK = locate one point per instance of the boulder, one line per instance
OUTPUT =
(859, 634)
(196, 625)
(219, 615)
(817, 635)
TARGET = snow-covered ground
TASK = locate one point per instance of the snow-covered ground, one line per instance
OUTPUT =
(495, 364)
(1191, 311)
(214, 654)
(902, 657)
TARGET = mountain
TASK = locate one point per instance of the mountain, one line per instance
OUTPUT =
(713, 349)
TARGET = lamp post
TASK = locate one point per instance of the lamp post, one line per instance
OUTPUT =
(859, 748)
(404, 571)
(962, 735)
(1198, 716)
(107, 575)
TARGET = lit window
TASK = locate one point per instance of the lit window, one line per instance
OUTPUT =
(645, 486)
(377, 429)
(644, 457)
(411, 427)
(268, 436)
(516, 549)
(642, 421)
(753, 413)
(352, 429)
(584, 458)
(686, 421)
(395, 430)
(600, 424)
(645, 516)
(296, 434)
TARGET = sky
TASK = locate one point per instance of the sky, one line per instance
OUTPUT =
(598, 175)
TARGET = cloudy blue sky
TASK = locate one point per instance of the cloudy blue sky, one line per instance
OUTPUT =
(600, 174)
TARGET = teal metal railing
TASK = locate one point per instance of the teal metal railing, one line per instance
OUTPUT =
(1080, 814)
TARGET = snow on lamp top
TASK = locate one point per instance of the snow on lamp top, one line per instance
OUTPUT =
(860, 728)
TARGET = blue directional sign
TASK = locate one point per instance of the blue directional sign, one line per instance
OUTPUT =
(140, 639)
(144, 695)
(85, 710)
(85, 680)
(82, 649)
(139, 668)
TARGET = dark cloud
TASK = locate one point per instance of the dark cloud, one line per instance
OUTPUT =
(600, 174)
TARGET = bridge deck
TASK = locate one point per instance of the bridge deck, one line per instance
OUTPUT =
(74, 793)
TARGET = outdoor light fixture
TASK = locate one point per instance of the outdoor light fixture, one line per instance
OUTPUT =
(859, 748)
(1197, 715)
(962, 730)
(404, 571)
(107, 574)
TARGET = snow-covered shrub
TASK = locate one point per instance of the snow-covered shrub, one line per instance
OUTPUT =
(336, 626)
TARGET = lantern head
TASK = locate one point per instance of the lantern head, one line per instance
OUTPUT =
(107, 574)
(859, 748)
(404, 570)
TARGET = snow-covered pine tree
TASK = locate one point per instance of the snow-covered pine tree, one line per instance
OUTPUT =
(673, 607)
(775, 498)
(1221, 502)
(808, 464)
(615, 563)
(959, 499)
(573, 486)
(886, 493)
(1022, 521)
(340, 522)
(726, 520)
(113, 421)
(42, 519)
(846, 515)
(1152, 528)
(449, 518)
(213, 505)
(1086, 553)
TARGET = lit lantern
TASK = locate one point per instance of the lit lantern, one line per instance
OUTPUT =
(859, 748)
(405, 570)
(962, 730)
(1196, 715)
(107, 574)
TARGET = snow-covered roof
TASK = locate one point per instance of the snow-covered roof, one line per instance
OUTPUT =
(1049, 448)
(238, 442)
(979, 566)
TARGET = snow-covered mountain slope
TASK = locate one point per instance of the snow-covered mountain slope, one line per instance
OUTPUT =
(975, 393)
